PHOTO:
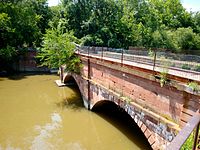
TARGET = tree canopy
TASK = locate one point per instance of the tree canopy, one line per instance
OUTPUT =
(142, 23)
(22, 23)
(112, 23)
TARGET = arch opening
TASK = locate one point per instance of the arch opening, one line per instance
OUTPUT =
(73, 98)
(119, 118)
(68, 79)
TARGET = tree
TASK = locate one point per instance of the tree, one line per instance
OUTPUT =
(196, 22)
(124, 23)
(22, 24)
(58, 49)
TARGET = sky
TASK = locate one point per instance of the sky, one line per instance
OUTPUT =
(53, 2)
(190, 5)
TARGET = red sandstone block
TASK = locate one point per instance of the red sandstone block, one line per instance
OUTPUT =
(143, 128)
(151, 139)
(156, 146)
(139, 123)
(182, 123)
(147, 133)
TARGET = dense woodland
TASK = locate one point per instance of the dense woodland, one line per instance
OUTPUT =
(112, 23)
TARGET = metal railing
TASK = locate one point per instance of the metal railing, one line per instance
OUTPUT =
(185, 62)
(192, 126)
(162, 60)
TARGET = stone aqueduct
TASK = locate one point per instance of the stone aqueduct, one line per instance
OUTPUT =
(160, 112)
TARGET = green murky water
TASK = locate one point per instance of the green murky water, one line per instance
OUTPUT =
(35, 114)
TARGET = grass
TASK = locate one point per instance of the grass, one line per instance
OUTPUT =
(189, 142)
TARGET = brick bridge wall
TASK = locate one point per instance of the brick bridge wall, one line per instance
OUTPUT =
(160, 112)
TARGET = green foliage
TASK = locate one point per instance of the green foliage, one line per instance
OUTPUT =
(197, 68)
(194, 86)
(142, 23)
(119, 24)
(164, 72)
(189, 143)
(196, 22)
(163, 78)
(7, 53)
(22, 24)
(185, 38)
(58, 49)
(185, 66)
(151, 53)
(93, 40)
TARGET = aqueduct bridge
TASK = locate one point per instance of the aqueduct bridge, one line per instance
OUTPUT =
(160, 111)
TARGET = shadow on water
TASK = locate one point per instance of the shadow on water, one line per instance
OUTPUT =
(21, 75)
(123, 122)
(74, 101)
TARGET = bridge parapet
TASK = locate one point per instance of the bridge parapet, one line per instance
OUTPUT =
(185, 66)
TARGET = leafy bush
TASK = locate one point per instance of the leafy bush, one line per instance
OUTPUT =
(197, 68)
(185, 38)
(151, 53)
(92, 40)
(114, 43)
(186, 66)
(194, 86)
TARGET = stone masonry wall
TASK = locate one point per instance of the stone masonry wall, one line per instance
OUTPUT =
(160, 112)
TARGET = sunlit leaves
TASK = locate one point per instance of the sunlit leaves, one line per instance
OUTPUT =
(58, 49)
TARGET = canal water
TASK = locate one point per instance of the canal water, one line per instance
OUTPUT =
(35, 114)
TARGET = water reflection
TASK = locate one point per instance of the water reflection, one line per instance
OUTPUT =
(73, 102)
(46, 132)
(36, 114)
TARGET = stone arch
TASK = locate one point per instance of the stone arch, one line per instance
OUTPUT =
(67, 77)
(70, 79)
(137, 123)
(156, 132)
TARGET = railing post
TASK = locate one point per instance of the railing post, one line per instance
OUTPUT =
(154, 60)
(61, 74)
(102, 53)
(88, 51)
(122, 56)
(196, 137)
